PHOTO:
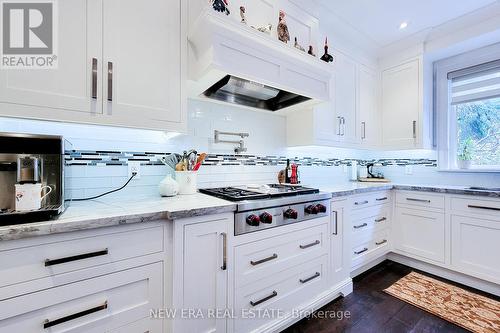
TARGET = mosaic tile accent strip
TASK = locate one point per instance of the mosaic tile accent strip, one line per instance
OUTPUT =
(84, 157)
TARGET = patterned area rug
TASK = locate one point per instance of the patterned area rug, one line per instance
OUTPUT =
(471, 311)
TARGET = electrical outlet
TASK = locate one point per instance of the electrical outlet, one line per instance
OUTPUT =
(409, 169)
(134, 166)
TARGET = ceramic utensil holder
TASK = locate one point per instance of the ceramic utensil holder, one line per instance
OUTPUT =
(187, 181)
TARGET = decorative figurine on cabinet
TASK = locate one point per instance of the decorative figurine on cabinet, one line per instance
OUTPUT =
(242, 14)
(326, 57)
(298, 46)
(221, 6)
(311, 51)
(283, 34)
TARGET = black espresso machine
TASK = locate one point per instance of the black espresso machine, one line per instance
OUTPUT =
(32, 159)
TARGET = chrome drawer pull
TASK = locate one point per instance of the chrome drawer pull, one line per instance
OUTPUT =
(361, 226)
(274, 294)
(49, 323)
(110, 81)
(381, 219)
(381, 242)
(261, 261)
(93, 86)
(418, 200)
(483, 207)
(359, 252)
(310, 278)
(361, 202)
(335, 222)
(381, 199)
(309, 245)
(52, 262)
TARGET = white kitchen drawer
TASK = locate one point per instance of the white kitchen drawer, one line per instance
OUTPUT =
(51, 259)
(371, 199)
(254, 261)
(288, 290)
(96, 305)
(477, 206)
(145, 325)
(420, 199)
(371, 221)
(371, 248)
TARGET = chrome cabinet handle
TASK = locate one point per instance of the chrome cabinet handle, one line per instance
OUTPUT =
(52, 262)
(363, 129)
(381, 219)
(94, 79)
(335, 222)
(110, 81)
(361, 251)
(414, 129)
(274, 294)
(381, 242)
(340, 125)
(361, 226)
(418, 200)
(310, 278)
(49, 323)
(357, 203)
(343, 126)
(483, 207)
(261, 261)
(381, 199)
(316, 242)
(224, 251)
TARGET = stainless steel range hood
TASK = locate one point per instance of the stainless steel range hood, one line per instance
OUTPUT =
(239, 91)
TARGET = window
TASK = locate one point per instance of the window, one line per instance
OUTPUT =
(468, 110)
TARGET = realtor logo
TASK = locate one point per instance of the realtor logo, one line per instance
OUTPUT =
(28, 34)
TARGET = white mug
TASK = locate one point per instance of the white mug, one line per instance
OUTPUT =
(29, 196)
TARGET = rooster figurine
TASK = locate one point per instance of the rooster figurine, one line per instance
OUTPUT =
(326, 57)
(220, 6)
(283, 34)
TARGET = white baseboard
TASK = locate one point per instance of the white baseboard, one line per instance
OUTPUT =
(467, 280)
(363, 268)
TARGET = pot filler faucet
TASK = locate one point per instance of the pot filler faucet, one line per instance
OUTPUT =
(241, 144)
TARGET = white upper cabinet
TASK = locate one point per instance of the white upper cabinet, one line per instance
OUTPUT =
(345, 98)
(402, 105)
(66, 91)
(120, 62)
(368, 106)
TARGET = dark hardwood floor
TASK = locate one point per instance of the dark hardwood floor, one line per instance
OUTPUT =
(372, 310)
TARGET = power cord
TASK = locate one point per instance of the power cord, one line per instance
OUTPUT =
(106, 193)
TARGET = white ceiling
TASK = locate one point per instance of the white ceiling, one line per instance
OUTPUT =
(380, 19)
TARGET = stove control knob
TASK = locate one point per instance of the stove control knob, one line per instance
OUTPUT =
(311, 209)
(253, 220)
(291, 214)
(266, 218)
(321, 208)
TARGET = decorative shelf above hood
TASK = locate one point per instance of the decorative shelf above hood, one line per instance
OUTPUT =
(234, 63)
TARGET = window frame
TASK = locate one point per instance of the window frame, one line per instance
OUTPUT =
(445, 132)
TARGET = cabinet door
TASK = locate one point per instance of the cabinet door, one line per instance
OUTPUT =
(369, 120)
(143, 55)
(345, 98)
(475, 247)
(420, 233)
(67, 89)
(401, 105)
(204, 277)
(340, 245)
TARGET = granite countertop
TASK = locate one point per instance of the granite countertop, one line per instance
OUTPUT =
(358, 188)
(104, 213)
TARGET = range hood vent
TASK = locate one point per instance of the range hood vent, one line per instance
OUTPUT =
(234, 63)
(239, 91)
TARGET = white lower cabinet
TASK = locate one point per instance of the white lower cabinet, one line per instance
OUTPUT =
(94, 305)
(340, 256)
(475, 246)
(420, 233)
(200, 272)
